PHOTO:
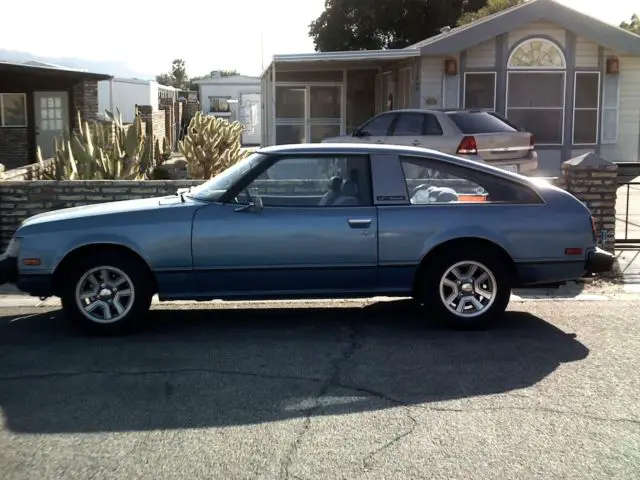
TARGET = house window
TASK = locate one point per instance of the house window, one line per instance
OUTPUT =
(480, 91)
(536, 85)
(13, 110)
(537, 53)
(585, 109)
(219, 105)
(610, 108)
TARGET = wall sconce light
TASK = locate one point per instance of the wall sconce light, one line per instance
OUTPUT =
(613, 66)
(451, 66)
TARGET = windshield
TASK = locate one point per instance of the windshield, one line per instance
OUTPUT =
(214, 188)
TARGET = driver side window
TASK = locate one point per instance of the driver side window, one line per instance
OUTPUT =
(312, 181)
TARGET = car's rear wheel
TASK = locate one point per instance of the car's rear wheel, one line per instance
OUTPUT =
(466, 290)
(107, 293)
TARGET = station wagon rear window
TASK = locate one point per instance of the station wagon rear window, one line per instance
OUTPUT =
(472, 123)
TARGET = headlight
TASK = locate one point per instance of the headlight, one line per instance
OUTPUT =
(13, 248)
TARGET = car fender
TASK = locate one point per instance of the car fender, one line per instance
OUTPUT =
(57, 255)
(465, 232)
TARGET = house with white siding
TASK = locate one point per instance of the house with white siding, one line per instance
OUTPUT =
(236, 98)
(571, 79)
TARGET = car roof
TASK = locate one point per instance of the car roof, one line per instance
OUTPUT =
(435, 110)
(354, 148)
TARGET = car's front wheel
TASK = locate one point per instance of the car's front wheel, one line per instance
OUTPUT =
(107, 293)
(467, 290)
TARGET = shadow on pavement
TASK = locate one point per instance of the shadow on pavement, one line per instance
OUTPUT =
(225, 367)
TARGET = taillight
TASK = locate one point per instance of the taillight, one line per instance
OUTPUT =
(468, 146)
(531, 142)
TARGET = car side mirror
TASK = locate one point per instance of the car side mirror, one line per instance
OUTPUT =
(356, 133)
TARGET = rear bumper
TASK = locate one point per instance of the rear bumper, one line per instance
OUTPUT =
(8, 270)
(599, 261)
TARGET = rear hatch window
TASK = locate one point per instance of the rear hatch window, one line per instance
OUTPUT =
(473, 123)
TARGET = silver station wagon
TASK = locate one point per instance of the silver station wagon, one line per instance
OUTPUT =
(313, 221)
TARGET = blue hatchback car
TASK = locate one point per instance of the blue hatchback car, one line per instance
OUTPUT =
(313, 221)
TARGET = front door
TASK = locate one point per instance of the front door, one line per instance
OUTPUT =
(315, 233)
(52, 119)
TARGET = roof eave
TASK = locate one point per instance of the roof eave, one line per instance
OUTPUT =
(604, 34)
(348, 55)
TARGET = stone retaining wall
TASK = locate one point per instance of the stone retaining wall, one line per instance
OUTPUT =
(20, 200)
(590, 178)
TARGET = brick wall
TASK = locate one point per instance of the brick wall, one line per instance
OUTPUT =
(34, 171)
(85, 99)
(14, 147)
(592, 180)
(166, 105)
(154, 120)
(20, 200)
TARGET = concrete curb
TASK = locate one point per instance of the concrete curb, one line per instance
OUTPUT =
(17, 301)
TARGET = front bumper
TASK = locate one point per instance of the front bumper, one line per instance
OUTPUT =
(8, 269)
(599, 261)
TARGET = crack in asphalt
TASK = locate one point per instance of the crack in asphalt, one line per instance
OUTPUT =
(334, 381)
(326, 385)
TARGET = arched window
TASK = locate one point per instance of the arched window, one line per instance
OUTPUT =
(536, 84)
(537, 53)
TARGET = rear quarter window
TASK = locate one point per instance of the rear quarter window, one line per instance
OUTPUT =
(465, 183)
(479, 122)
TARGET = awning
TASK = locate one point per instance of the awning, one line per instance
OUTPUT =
(340, 60)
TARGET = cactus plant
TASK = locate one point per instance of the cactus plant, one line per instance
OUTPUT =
(89, 154)
(211, 145)
(113, 151)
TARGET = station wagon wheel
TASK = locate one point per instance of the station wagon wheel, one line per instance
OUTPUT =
(107, 292)
(466, 290)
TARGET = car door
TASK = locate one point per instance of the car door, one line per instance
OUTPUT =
(305, 239)
(376, 129)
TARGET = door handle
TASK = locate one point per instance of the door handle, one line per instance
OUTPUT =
(379, 141)
(359, 222)
(415, 143)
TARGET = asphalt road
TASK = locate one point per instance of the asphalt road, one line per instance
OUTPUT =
(340, 392)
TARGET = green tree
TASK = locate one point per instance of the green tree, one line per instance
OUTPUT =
(379, 24)
(492, 6)
(633, 26)
(177, 77)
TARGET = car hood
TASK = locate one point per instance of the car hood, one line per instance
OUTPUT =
(98, 209)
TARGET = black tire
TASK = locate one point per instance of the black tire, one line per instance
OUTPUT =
(483, 258)
(133, 307)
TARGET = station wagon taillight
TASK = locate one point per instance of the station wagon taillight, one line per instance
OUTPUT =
(468, 146)
(531, 142)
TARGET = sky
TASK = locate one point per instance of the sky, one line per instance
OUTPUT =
(218, 34)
